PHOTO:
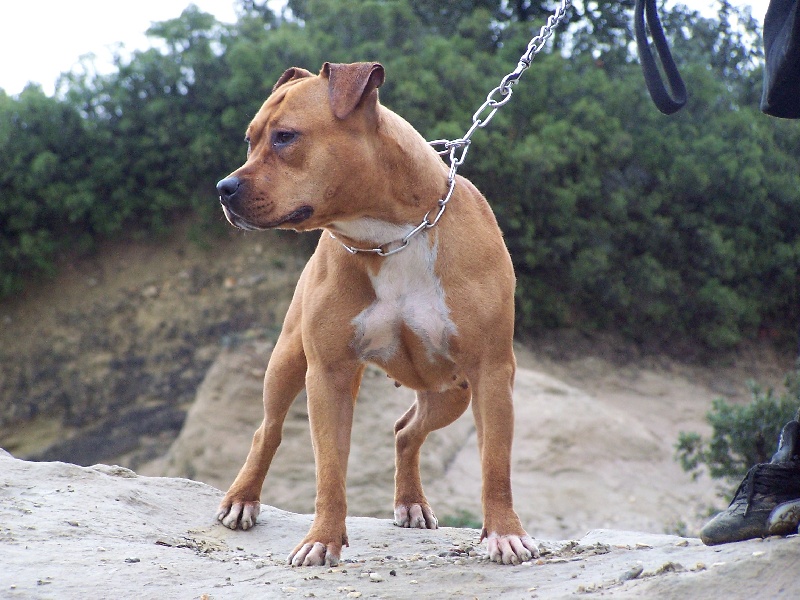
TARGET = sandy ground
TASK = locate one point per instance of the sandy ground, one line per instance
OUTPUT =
(72, 532)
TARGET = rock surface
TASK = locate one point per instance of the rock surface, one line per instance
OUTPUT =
(73, 532)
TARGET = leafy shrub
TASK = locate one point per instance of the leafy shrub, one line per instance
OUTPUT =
(742, 435)
(462, 518)
(616, 217)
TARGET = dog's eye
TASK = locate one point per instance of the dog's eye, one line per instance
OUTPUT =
(247, 141)
(283, 138)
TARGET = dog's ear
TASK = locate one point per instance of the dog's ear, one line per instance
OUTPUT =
(350, 85)
(290, 74)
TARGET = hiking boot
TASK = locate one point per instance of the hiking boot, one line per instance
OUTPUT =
(784, 518)
(767, 502)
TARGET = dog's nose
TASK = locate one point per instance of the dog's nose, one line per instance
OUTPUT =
(227, 188)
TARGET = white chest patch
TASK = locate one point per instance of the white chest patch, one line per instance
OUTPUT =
(407, 292)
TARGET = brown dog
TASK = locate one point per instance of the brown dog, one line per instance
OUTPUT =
(437, 316)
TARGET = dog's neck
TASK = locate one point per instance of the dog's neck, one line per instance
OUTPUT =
(402, 205)
(423, 175)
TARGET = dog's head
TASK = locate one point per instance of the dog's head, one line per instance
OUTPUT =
(303, 145)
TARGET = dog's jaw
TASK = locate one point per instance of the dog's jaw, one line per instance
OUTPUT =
(296, 217)
(237, 221)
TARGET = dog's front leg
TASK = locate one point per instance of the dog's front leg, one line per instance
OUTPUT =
(332, 394)
(493, 408)
(283, 381)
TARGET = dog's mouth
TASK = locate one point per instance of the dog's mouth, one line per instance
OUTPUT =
(296, 216)
(293, 218)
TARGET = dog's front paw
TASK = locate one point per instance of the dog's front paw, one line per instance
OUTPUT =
(415, 516)
(315, 554)
(511, 549)
(322, 546)
(241, 515)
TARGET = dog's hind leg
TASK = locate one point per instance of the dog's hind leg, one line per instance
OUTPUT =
(429, 412)
(284, 379)
(493, 408)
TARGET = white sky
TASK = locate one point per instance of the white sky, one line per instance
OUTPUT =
(40, 39)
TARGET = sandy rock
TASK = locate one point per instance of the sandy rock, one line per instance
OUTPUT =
(74, 532)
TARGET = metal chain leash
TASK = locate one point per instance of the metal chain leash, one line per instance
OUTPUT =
(456, 150)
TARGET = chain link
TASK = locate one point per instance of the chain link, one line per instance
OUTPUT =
(456, 150)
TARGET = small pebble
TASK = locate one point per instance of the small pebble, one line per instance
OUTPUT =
(632, 573)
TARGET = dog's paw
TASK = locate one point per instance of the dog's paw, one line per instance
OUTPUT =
(315, 554)
(416, 516)
(511, 549)
(241, 515)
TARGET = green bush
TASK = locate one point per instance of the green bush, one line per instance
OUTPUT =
(462, 518)
(742, 435)
(616, 216)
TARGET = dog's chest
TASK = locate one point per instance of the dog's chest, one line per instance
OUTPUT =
(408, 295)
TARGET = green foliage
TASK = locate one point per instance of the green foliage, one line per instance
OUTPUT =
(463, 519)
(42, 190)
(616, 216)
(742, 435)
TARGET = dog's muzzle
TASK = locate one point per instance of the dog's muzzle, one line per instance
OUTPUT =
(227, 190)
(231, 196)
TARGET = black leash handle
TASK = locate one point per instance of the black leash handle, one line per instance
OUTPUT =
(665, 102)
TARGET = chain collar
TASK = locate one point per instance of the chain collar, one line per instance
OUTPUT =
(396, 246)
(480, 119)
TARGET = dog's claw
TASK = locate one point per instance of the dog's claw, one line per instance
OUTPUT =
(511, 549)
(314, 555)
(416, 516)
(242, 515)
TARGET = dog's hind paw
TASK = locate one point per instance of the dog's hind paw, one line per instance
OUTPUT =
(511, 549)
(416, 516)
(242, 515)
